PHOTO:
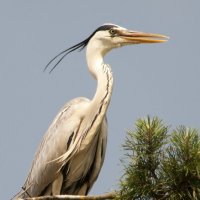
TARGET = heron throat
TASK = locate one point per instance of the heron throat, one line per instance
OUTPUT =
(103, 74)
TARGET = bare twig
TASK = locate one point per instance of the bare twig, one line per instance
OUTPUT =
(110, 195)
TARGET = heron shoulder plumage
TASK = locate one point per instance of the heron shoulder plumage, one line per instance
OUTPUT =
(66, 125)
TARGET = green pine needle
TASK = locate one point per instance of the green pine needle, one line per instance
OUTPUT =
(160, 166)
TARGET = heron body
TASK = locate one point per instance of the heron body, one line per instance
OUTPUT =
(71, 154)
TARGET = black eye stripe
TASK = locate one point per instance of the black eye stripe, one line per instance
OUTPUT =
(105, 27)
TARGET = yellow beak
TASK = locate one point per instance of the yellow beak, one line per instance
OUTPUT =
(136, 37)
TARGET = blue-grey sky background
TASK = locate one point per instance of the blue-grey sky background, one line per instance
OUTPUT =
(158, 79)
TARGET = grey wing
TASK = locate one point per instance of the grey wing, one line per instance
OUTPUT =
(100, 155)
(95, 156)
(53, 145)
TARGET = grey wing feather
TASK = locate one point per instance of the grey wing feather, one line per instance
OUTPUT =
(100, 155)
(85, 170)
(54, 144)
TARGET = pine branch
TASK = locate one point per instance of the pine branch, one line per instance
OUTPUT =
(161, 165)
(182, 164)
(110, 195)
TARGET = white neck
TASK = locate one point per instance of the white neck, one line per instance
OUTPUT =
(102, 73)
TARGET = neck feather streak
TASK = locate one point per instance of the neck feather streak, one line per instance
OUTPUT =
(100, 101)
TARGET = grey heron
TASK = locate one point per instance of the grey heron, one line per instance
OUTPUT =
(71, 154)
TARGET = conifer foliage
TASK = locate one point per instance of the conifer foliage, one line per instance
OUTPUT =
(159, 164)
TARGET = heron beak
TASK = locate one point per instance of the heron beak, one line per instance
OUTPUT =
(136, 37)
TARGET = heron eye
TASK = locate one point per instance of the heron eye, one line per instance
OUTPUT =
(112, 32)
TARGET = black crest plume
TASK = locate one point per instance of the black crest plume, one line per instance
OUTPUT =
(79, 46)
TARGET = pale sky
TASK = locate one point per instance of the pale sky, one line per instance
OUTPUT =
(158, 79)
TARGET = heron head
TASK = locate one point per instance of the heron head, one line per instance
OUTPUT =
(109, 36)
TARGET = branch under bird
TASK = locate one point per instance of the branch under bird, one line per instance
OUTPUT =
(71, 154)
